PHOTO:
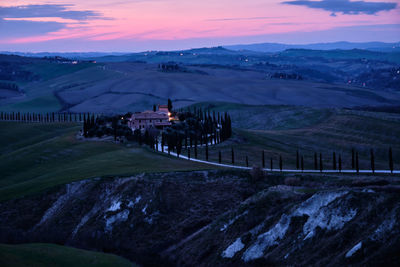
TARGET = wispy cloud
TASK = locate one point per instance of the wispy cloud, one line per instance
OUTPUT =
(249, 18)
(48, 10)
(39, 20)
(345, 6)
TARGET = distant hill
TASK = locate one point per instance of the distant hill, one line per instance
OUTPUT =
(276, 47)
(342, 54)
(71, 55)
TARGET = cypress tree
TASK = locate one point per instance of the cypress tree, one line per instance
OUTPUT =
(352, 159)
(169, 105)
(357, 166)
(340, 163)
(162, 142)
(334, 161)
(315, 161)
(247, 161)
(233, 156)
(372, 161)
(302, 164)
(391, 160)
(263, 159)
(206, 151)
(297, 160)
(179, 146)
(84, 128)
(195, 146)
(188, 153)
(272, 165)
(280, 163)
(320, 162)
(186, 140)
(219, 157)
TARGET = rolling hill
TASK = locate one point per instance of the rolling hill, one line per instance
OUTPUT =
(130, 86)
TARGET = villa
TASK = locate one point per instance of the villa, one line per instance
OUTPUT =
(148, 119)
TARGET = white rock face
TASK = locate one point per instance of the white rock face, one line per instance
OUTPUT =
(351, 252)
(330, 219)
(267, 239)
(319, 216)
(116, 205)
(71, 189)
(119, 217)
(230, 251)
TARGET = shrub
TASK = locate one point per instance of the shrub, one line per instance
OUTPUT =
(292, 181)
(256, 174)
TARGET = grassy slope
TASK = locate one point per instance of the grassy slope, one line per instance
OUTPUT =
(122, 87)
(39, 95)
(35, 157)
(281, 130)
(55, 255)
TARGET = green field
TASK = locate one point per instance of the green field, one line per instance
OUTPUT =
(36, 157)
(282, 130)
(128, 86)
(54, 255)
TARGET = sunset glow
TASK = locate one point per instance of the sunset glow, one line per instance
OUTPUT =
(117, 25)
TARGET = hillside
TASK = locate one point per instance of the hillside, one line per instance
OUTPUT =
(50, 255)
(122, 87)
(36, 157)
(218, 219)
(276, 47)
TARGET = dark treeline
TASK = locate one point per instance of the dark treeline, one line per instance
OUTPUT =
(9, 86)
(197, 127)
(99, 126)
(48, 117)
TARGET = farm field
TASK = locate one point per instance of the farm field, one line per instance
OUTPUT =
(39, 254)
(35, 157)
(281, 131)
(129, 86)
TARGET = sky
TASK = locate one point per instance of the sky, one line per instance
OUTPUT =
(142, 25)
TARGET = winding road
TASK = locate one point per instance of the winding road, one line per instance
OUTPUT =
(273, 170)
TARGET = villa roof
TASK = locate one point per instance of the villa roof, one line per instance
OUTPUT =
(148, 115)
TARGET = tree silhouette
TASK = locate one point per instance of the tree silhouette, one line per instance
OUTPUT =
(334, 161)
(315, 161)
(263, 159)
(391, 160)
(372, 161)
(320, 162)
(169, 105)
(357, 166)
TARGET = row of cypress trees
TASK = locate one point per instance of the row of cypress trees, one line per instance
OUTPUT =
(43, 117)
(318, 161)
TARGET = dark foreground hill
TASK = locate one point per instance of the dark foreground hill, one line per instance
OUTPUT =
(218, 218)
